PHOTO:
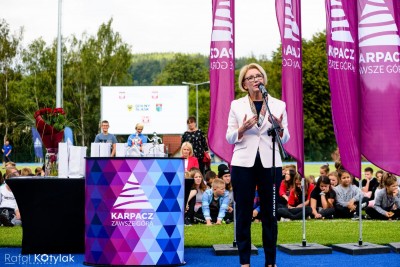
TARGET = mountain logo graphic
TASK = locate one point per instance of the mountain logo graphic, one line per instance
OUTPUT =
(292, 30)
(132, 196)
(340, 28)
(377, 26)
(37, 143)
(222, 26)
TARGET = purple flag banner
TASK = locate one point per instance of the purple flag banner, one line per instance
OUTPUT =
(222, 76)
(289, 21)
(379, 48)
(342, 50)
(37, 143)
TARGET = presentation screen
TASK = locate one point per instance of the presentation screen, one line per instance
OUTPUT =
(162, 109)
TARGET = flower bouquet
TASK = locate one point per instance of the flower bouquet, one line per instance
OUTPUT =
(50, 124)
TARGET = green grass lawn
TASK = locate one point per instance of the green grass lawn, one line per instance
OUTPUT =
(324, 232)
(313, 169)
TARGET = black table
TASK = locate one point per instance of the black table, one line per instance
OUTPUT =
(52, 212)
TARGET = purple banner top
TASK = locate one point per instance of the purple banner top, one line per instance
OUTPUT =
(222, 77)
(379, 46)
(342, 50)
(289, 21)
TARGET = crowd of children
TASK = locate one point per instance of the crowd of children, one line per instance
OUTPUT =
(331, 195)
(210, 200)
(338, 194)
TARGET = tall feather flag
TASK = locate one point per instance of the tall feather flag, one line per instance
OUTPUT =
(379, 47)
(289, 21)
(222, 76)
(68, 136)
(342, 51)
(37, 143)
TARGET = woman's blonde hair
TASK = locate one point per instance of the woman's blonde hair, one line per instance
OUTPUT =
(189, 145)
(244, 70)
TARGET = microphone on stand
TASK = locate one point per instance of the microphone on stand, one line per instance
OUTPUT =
(263, 90)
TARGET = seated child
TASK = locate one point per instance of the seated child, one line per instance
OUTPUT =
(285, 187)
(322, 199)
(214, 204)
(9, 213)
(294, 209)
(370, 183)
(210, 176)
(195, 198)
(225, 174)
(387, 200)
(348, 197)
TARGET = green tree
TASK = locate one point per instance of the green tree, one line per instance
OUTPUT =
(146, 67)
(319, 139)
(9, 45)
(192, 69)
(94, 61)
(318, 128)
(39, 61)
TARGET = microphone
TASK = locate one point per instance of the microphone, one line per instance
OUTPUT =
(263, 90)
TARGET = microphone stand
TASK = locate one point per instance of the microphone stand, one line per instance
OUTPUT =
(274, 132)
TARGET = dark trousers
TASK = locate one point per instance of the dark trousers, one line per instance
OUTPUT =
(377, 216)
(244, 182)
(190, 213)
(344, 212)
(294, 213)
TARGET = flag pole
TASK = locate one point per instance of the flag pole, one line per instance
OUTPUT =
(59, 59)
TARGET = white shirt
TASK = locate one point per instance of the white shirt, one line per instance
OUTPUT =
(7, 199)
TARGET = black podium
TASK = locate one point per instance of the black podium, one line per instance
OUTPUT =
(52, 213)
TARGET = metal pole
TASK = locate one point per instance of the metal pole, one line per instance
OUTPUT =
(197, 103)
(197, 97)
(303, 242)
(360, 235)
(234, 244)
(59, 59)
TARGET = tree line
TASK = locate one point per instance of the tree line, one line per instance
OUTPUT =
(28, 82)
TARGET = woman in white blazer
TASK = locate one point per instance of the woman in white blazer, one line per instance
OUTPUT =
(248, 126)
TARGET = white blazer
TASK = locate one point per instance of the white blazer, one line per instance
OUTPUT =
(256, 138)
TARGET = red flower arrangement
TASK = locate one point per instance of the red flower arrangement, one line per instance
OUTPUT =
(50, 123)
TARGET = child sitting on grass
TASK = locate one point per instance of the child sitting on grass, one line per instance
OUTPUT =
(322, 199)
(387, 200)
(214, 204)
(294, 209)
(9, 212)
(347, 197)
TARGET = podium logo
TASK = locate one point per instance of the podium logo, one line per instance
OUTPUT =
(132, 196)
(222, 30)
(377, 26)
(340, 28)
(292, 30)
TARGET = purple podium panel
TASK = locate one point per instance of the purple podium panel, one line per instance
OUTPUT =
(134, 211)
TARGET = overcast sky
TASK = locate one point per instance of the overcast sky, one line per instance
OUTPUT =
(159, 25)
